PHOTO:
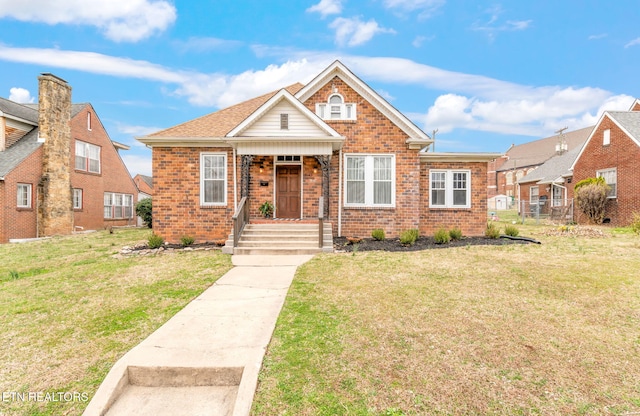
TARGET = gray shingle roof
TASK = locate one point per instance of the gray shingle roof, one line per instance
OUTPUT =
(629, 120)
(538, 151)
(75, 108)
(24, 112)
(553, 168)
(12, 157)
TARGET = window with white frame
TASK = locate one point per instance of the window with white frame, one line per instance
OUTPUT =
(370, 180)
(213, 179)
(87, 157)
(336, 109)
(534, 195)
(606, 137)
(449, 188)
(77, 198)
(24, 195)
(611, 178)
(118, 206)
(89, 120)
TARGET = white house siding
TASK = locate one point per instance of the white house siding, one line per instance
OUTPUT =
(269, 124)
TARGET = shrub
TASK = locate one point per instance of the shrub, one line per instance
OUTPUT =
(408, 237)
(455, 233)
(186, 240)
(441, 236)
(266, 209)
(511, 230)
(143, 210)
(378, 234)
(591, 198)
(635, 222)
(492, 231)
(155, 241)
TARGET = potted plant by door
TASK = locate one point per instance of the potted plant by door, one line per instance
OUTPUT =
(266, 209)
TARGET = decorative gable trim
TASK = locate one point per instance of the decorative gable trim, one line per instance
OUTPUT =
(593, 132)
(635, 106)
(417, 138)
(271, 103)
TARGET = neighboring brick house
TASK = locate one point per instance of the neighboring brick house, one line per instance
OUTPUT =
(548, 190)
(506, 171)
(334, 138)
(145, 186)
(612, 151)
(59, 170)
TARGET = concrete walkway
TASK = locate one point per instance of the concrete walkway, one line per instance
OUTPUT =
(205, 360)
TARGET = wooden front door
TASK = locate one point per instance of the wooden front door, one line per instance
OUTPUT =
(288, 196)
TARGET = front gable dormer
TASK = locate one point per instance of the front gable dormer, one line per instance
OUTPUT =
(336, 108)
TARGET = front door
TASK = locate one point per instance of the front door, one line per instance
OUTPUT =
(288, 196)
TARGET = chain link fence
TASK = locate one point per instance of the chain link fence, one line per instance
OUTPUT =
(557, 211)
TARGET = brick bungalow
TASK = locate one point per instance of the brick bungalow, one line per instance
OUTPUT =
(334, 138)
(59, 170)
(612, 151)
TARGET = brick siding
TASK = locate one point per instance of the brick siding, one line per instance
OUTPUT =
(623, 154)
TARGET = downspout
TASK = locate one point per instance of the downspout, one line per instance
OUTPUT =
(235, 182)
(340, 194)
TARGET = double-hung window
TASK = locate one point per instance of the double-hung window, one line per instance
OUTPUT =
(118, 206)
(370, 180)
(87, 157)
(213, 179)
(24, 195)
(77, 198)
(450, 188)
(611, 178)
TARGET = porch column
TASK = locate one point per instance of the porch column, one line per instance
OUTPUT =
(245, 172)
(324, 164)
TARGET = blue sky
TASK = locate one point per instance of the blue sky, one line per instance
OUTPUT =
(484, 73)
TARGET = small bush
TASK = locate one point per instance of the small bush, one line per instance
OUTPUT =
(492, 231)
(441, 236)
(14, 275)
(455, 233)
(635, 222)
(511, 230)
(155, 241)
(186, 240)
(408, 237)
(143, 210)
(378, 234)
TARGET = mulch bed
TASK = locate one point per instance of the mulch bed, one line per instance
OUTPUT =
(422, 243)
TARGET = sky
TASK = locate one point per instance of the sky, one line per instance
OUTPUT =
(484, 74)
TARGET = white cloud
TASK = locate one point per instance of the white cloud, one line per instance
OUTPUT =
(137, 164)
(205, 44)
(634, 42)
(493, 25)
(119, 20)
(426, 8)
(20, 95)
(598, 36)
(326, 7)
(418, 41)
(354, 32)
(136, 131)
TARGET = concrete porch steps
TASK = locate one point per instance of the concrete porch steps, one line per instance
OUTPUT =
(283, 238)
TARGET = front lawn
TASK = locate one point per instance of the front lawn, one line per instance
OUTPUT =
(550, 329)
(69, 310)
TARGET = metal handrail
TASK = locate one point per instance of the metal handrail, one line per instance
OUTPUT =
(321, 222)
(240, 219)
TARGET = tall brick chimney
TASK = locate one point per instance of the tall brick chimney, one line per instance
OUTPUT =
(55, 201)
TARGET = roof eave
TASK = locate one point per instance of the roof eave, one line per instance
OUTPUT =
(458, 157)
(172, 141)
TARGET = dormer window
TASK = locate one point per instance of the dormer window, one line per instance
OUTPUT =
(336, 109)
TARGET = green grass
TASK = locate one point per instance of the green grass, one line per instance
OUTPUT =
(549, 329)
(69, 309)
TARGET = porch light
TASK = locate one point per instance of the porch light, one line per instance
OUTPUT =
(261, 168)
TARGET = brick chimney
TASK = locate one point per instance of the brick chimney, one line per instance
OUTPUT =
(55, 201)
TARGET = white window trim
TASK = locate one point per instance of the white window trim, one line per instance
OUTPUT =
(531, 200)
(448, 189)
(323, 110)
(368, 180)
(81, 192)
(226, 173)
(615, 172)
(28, 188)
(88, 160)
(112, 199)
(606, 137)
